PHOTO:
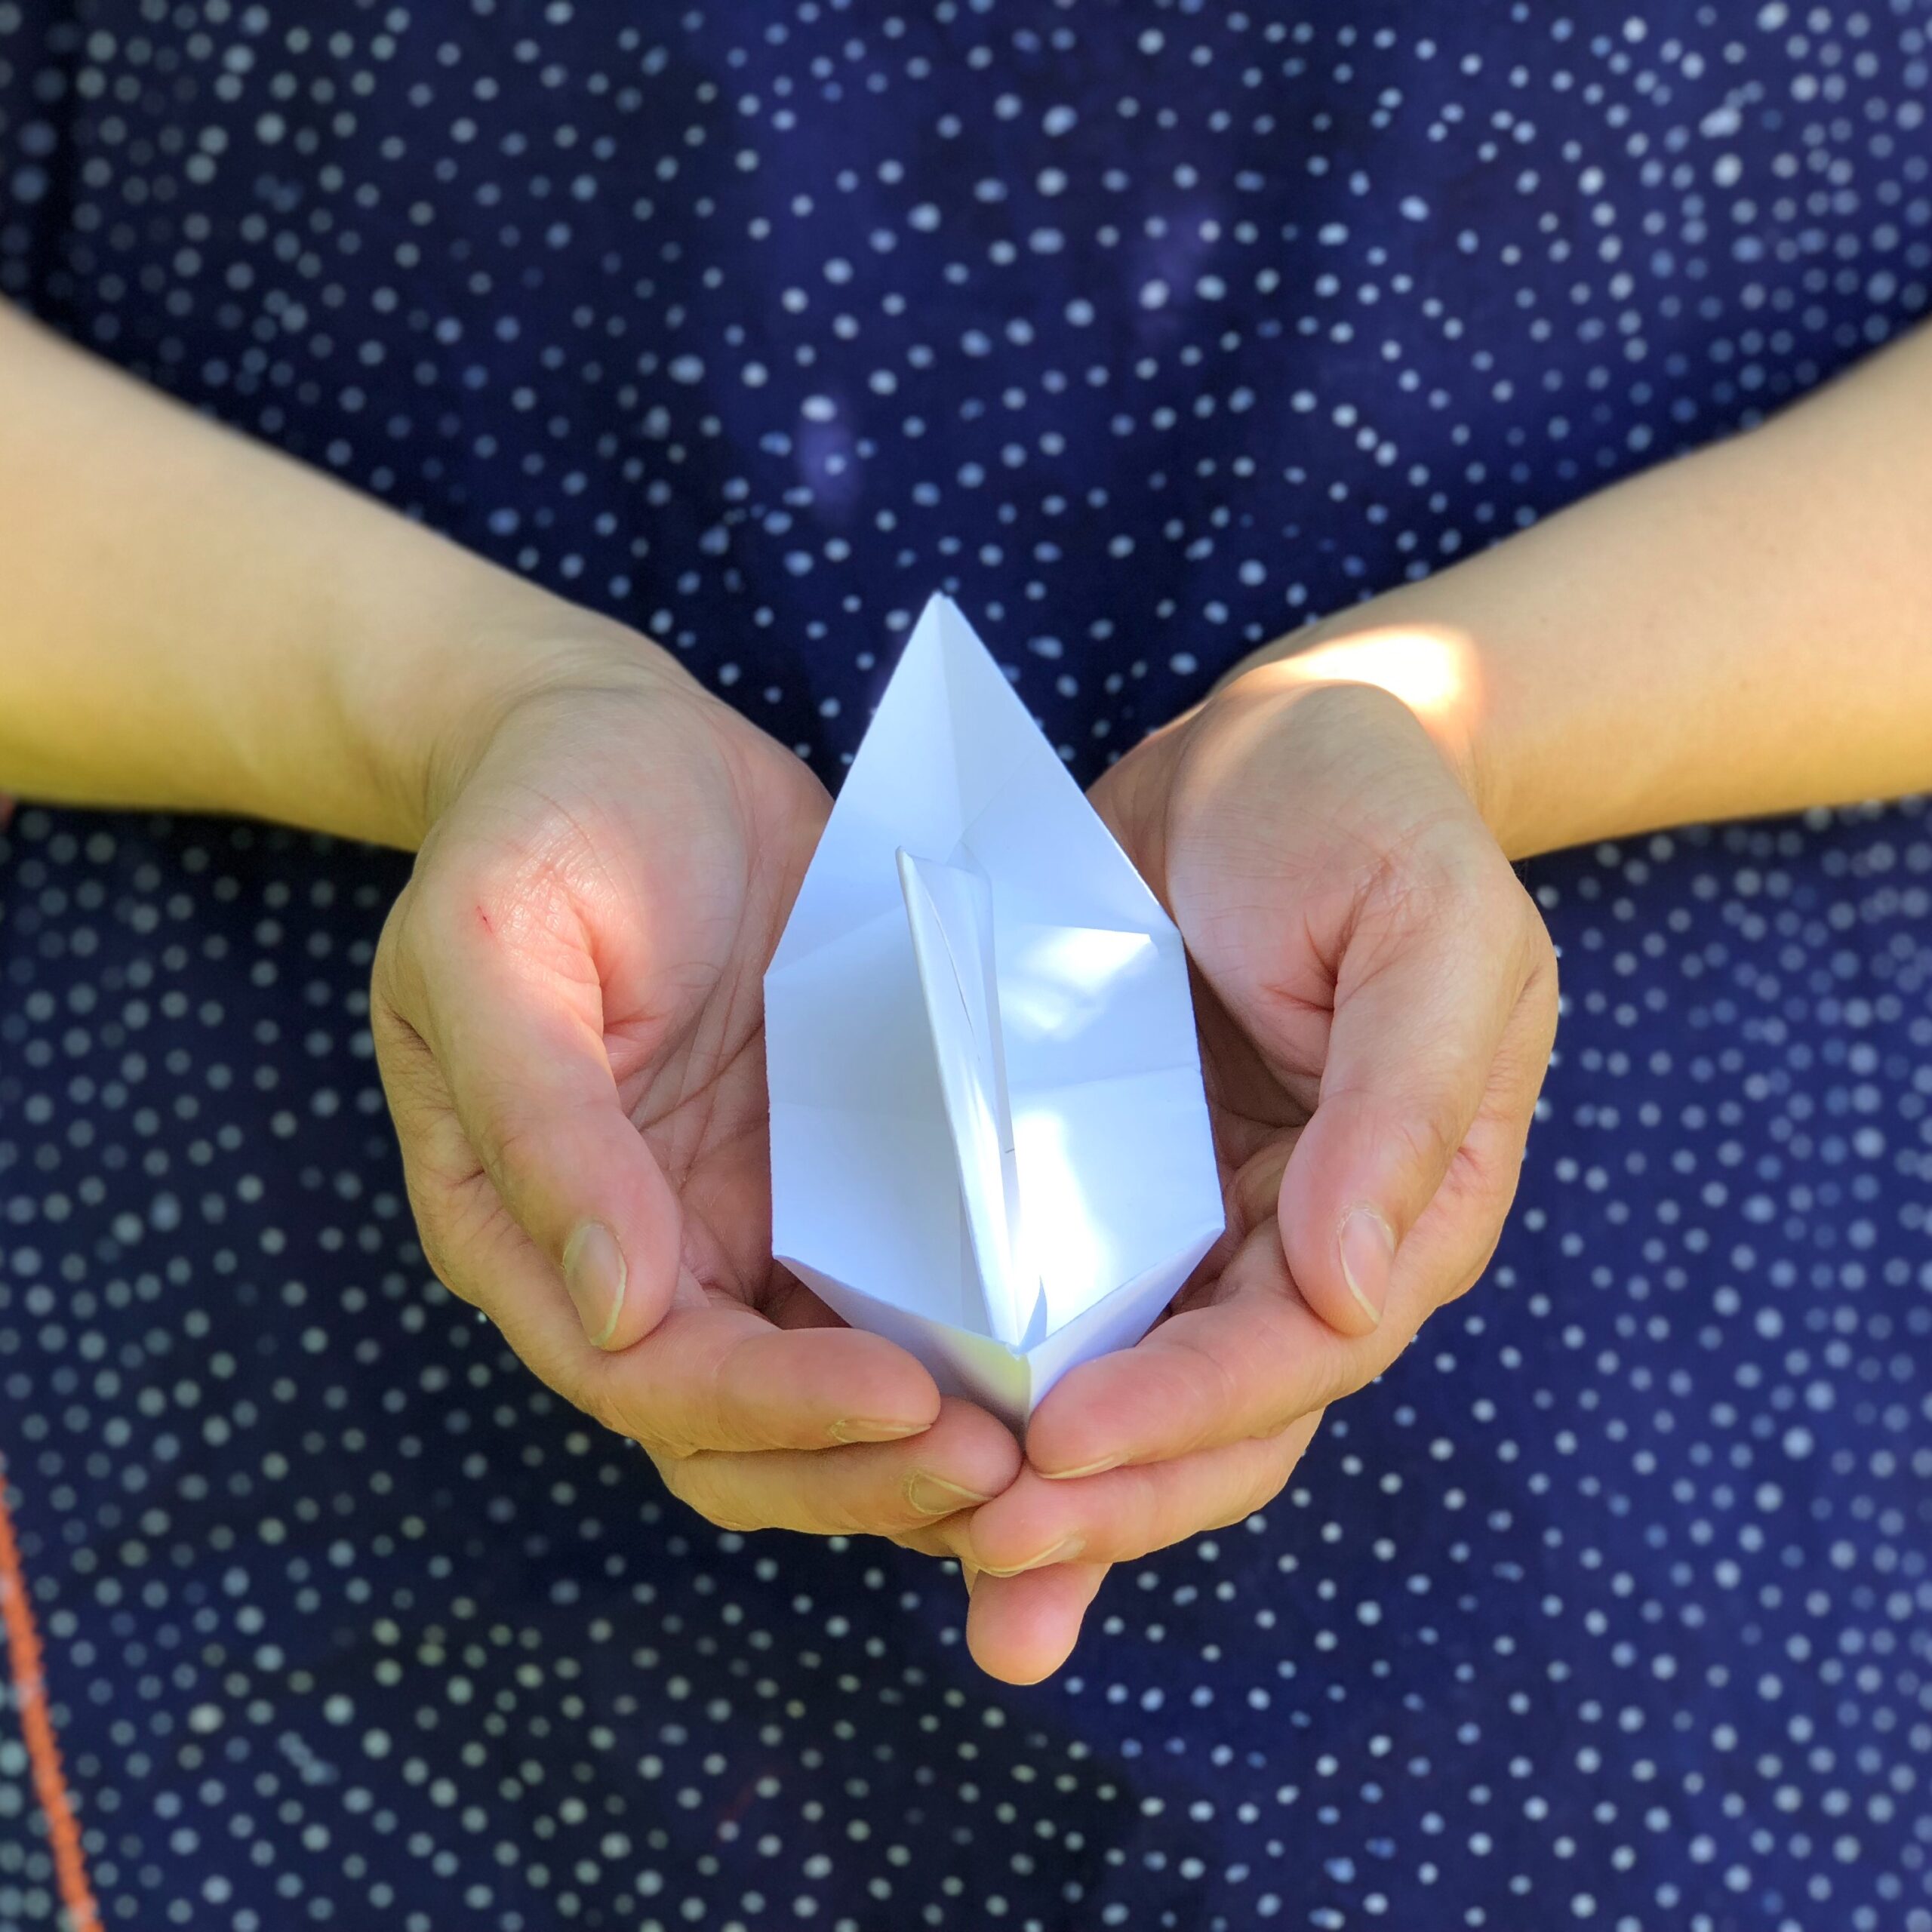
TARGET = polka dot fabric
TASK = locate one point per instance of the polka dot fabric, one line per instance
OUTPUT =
(1146, 333)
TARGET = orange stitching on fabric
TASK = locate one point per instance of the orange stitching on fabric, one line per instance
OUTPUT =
(50, 1784)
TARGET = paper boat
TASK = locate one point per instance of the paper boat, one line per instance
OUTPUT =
(989, 1141)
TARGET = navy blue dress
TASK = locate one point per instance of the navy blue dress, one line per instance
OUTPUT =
(1148, 332)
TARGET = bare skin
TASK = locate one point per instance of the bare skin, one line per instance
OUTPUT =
(566, 996)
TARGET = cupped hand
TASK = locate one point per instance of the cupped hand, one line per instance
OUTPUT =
(1377, 998)
(568, 1013)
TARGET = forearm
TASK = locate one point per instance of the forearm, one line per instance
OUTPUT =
(190, 621)
(1746, 630)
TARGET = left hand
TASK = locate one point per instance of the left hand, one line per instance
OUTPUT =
(567, 1014)
(1377, 997)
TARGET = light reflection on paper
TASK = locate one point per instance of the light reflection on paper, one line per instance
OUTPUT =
(1061, 1238)
(1056, 980)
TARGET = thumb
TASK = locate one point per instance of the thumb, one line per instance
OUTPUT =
(1427, 981)
(528, 1075)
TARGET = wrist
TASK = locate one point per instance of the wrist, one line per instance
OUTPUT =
(1432, 666)
(426, 683)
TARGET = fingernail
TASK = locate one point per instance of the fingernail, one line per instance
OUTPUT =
(933, 1496)
(1368, 1254)
(869, 1428)
(594, 1273)
(1085, 1469)
(1061, 1553)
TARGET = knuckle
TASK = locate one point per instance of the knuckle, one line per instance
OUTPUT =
(1343, 1371)
(510, 1146)
(695, 1486)
(1426, 1136)
(607, 1395)
(1262, 1486)
(713, 1403)
(601, 1401)
(1207, 1393)
(433, 1236)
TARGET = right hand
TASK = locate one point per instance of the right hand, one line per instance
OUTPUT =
(568, 1015)
(1376, 999)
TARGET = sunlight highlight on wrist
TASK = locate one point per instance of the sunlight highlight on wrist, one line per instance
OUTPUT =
(1432, 671)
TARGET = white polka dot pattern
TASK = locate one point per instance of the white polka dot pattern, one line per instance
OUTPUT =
(1611, 1602)
(1146, 343)
(1147, 336)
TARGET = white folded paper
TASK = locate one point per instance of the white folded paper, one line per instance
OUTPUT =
(989, 1141)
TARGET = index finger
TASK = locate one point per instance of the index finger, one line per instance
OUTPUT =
(715, 1375)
